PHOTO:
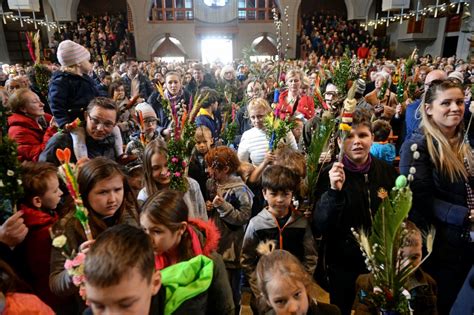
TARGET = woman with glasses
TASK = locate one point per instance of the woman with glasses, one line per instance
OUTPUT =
(29, 125)
(441, 164)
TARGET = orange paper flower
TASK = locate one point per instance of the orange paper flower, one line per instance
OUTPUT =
(64, 156)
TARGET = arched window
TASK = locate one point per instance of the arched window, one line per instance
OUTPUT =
(171, 10)
(251, 10)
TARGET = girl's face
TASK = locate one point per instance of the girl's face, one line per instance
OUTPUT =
(107, 195)
(163, 238)
(33, 105)
(219, 175)
(447, 110)
(357, 144)
(294, 83)
(85, 67)
(287, 297)
(257, 117)
(203, 144)
(159, 166)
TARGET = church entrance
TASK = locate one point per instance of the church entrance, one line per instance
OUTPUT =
(216, 49)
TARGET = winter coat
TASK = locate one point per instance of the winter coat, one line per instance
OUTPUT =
(156, 102)
(69, 95)
(60, 282)
(231, 217)
(304, 105)
(336, 213)
(420, 285)
(30, 137)
(465, 303)
(197, 171)
(35, 252)
(205, 237)
(62, 140)
(145, 88)
(295, 236)
(389, 102)
(439, 202)
(383, 151)
(209, 120)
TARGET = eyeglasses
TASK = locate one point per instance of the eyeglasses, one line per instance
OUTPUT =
(150, 121)
(97, 122)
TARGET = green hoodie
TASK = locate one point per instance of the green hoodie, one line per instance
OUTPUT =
(185, 280)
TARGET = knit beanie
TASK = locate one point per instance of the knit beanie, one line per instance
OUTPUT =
(70, 53)
(146, 110)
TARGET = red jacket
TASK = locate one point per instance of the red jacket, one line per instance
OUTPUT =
(305, 106)
(35, 252)
(30, 137)
(363, 52)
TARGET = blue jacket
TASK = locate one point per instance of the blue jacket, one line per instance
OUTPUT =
(212, 123)
(384, 152)
(68, 95)
(412, 118)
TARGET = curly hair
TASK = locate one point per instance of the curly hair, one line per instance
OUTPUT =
(222, 157)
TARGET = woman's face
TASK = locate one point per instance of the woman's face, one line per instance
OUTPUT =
(254, 89)
(173, 84)
(357, 144)
(294, 83)
(379, 83)
(447, 110)
(159, 166)
(162, 238)
(32, 105)
(257, 117)
(107, 195)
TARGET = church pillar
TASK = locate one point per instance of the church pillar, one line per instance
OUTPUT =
(291, 31)
(64, 10)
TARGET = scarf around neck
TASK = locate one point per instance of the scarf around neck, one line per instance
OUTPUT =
(352, 167)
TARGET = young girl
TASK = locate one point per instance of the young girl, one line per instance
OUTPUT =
(71, 90)
(197, 163)
(230, 206)
(109, 200)
(157, 177)
(177, 238)
(287, 288)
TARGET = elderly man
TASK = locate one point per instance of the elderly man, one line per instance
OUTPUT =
(100, 117)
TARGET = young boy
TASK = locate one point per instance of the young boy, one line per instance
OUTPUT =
(121, 277)
(197, 163)
(380, 148)
(278, 223)
(209, 114)
(42, 195)
(422, 286)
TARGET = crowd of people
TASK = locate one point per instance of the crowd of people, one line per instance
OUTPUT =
(327, 36)
(239, 234)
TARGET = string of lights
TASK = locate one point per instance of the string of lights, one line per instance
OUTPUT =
(436, 11)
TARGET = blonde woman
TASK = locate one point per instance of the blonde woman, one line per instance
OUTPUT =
(254, 142)
(292, 100)
(441, 187)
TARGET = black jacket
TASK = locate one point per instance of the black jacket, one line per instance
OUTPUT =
(145, 88)
(352, 207)
(68, 95)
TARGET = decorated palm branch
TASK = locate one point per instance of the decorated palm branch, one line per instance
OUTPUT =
(276, 129)
(342, 74)
(181, 142)
(345, 126)
(68, 174)
(319, 139)
(382, 247)
(229, 126)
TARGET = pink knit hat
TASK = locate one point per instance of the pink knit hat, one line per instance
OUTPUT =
(70, 53)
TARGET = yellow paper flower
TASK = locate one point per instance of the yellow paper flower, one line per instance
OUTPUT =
(59, 241)
(345, 127)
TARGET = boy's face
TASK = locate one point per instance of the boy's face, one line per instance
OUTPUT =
(278, 201)
(132, 295)
(52, 195)
(413, 253)
(203, 144)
